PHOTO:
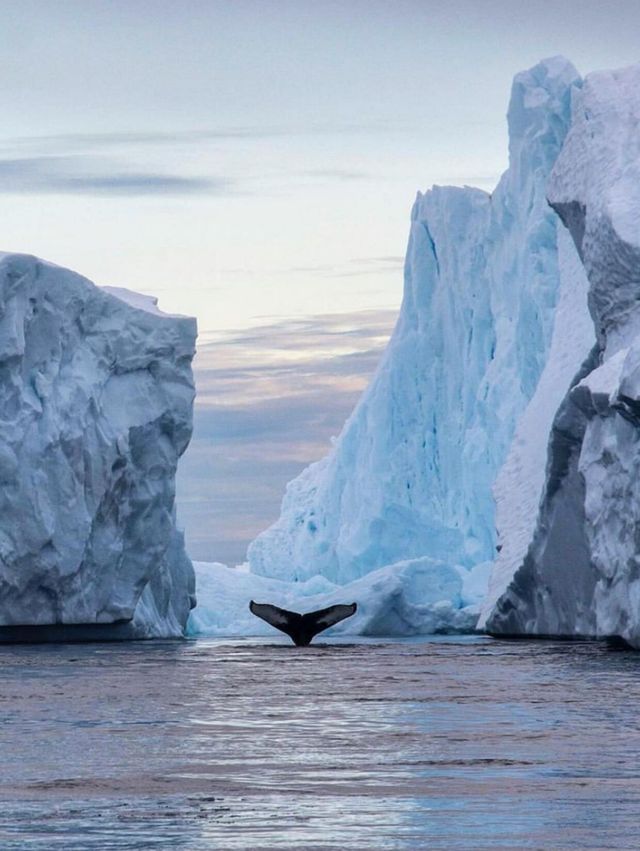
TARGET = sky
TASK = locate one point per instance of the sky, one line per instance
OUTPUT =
(253, 163)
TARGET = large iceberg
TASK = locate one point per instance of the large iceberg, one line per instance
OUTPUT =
(411, 474)
(581, 573)
(96, 396)
(400, 514)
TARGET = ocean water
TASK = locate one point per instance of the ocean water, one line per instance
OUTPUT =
(449, 743)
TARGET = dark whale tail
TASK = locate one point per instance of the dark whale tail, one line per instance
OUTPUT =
(302, 628)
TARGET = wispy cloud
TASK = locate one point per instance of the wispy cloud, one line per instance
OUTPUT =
(78, 175)
(340, 174)
(369, 265)
(90, 141)
(294, 357)
(269, 400)
(390, 264)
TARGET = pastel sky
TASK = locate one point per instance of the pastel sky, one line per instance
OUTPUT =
(253, 163)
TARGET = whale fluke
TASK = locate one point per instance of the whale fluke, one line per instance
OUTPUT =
(302, 628)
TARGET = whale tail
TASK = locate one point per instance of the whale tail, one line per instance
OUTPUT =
(301, 629)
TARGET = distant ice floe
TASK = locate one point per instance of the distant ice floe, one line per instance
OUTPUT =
(415, 597)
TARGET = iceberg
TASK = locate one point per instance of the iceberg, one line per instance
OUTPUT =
(411, 474)
(96, 398)
(580, 575)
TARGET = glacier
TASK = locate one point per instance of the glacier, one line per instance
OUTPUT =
(96, 398)
(409, 480)
(580, 576)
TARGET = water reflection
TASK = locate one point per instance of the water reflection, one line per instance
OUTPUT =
(449, 743)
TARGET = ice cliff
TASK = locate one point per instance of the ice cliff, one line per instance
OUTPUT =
(411, 473)
(581, 572)
(96, 397)
(521, 480)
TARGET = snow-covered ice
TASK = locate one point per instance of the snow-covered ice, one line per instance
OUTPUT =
(96, 396)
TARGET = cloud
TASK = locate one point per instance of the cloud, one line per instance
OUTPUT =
(295, 420)
(385, 265)
(370, 265)
(291, 357)
(269, 400)
(105, 163)
(341, 174)
(76, 175)
(90, 141)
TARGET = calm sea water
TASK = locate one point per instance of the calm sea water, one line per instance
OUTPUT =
(447, 743)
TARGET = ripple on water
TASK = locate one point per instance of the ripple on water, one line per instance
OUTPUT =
(450, 743)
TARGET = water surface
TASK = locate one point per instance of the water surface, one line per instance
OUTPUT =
(450, 743)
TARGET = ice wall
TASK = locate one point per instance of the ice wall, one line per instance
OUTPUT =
(581, 574)
(411, 473)
(521, 481)
(96, 395)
